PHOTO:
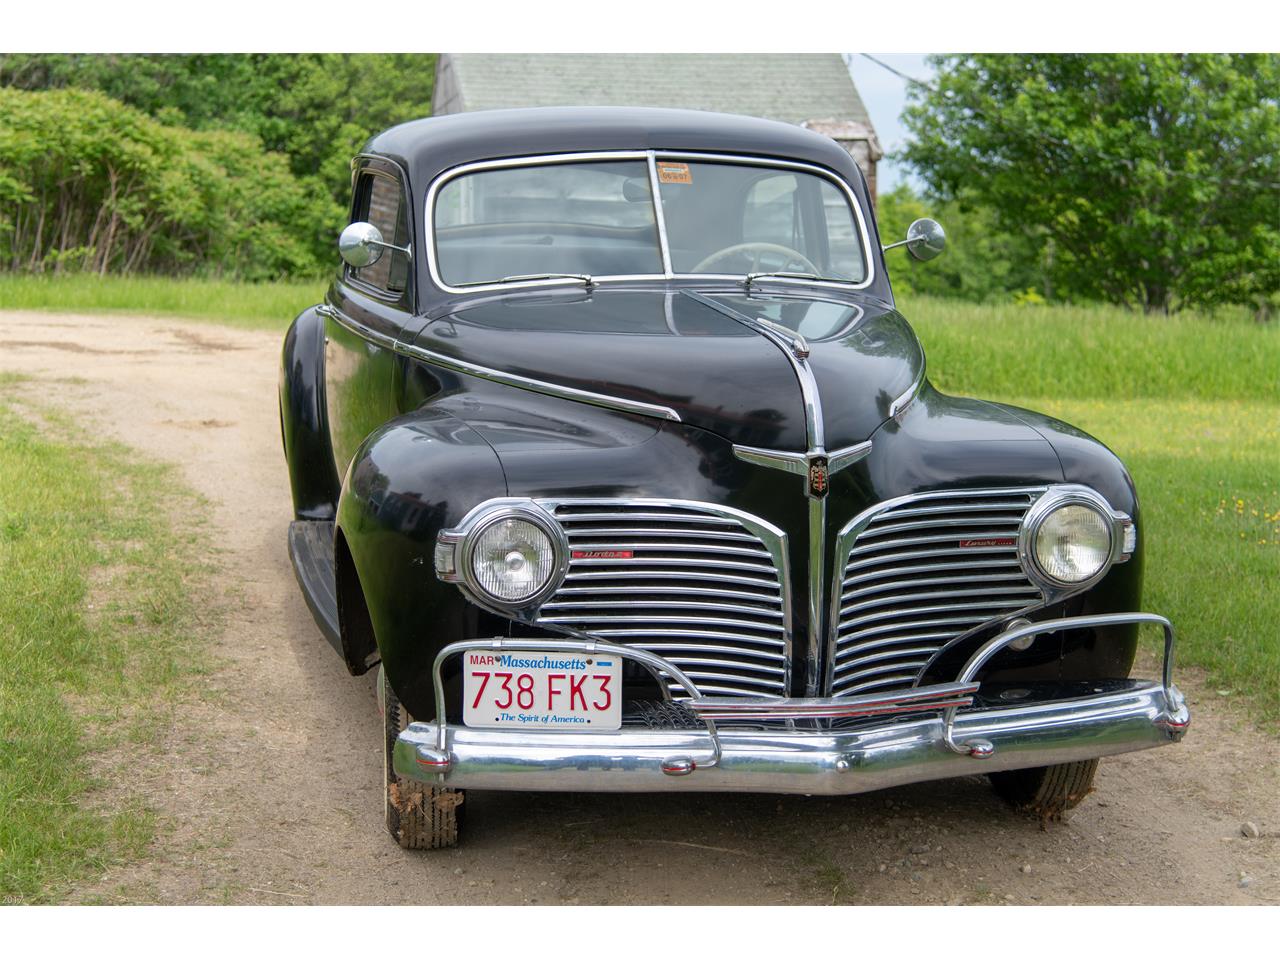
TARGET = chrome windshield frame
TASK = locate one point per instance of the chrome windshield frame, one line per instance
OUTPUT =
(650, 158)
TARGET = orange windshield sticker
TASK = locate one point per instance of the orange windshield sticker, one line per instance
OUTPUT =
(674, 172)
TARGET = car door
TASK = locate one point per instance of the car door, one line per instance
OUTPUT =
(370, 308)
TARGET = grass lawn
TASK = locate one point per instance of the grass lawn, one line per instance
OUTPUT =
(264, 306)
(1192, 405)
(97, 643)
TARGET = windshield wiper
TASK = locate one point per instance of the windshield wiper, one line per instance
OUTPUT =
(585, 278)
(751, 277)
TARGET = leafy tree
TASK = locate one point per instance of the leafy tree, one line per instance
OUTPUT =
(1156, 177)
(316, 108)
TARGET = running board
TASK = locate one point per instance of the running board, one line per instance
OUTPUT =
(311, 552)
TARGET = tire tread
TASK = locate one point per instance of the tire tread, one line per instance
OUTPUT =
(419, 816)
(1046, 792)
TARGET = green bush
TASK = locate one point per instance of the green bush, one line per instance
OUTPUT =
(87, 183)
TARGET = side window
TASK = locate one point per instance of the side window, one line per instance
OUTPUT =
(380, 201)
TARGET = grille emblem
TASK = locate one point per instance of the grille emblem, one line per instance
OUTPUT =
(817, 477)
(990, 542)
(817, 466)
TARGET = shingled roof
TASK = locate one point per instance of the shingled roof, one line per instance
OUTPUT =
(792, 87)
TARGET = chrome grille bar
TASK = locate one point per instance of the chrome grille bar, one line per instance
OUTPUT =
(909, 584)
(705, 586)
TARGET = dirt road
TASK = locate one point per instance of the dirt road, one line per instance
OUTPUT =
(271, 792)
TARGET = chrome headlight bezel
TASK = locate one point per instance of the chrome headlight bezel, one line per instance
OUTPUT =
(455, 550)
(1119, 527)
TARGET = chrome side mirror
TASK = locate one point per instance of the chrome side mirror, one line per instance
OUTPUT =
(925, 240)
(361, 244)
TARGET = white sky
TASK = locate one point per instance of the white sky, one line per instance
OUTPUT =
(885, 95)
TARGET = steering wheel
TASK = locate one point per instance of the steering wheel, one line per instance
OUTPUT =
(758, 250)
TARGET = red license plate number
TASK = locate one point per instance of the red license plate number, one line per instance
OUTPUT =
(542, 691)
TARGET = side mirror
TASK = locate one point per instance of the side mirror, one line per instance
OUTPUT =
(361, 244)
(925, 240)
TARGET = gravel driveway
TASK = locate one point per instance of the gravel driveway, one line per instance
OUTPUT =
(271, 792)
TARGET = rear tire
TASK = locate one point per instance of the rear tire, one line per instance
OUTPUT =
(419, 816)
(1046, 792)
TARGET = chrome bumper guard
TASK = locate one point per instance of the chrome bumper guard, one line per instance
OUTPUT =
(952, 742)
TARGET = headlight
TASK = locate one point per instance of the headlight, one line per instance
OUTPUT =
(1073, 543)
(1069, 537)
(508, 553)
(512, 559)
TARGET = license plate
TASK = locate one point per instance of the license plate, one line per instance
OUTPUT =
(542, 691)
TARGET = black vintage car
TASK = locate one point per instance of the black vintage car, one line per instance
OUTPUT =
(609, 448)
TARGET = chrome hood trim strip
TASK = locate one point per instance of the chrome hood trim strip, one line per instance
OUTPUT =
(621, 404)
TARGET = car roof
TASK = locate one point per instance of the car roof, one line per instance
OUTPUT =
(426, 148)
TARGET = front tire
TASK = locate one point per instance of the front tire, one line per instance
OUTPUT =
(1046, 792)
(419, 817)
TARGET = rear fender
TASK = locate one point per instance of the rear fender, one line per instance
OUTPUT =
(304, 423)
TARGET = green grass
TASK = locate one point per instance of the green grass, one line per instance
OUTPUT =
(98, 644)
(264, 306)
(1097, 352)
(1192, 405)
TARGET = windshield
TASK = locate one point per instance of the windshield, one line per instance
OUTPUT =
(598, 219)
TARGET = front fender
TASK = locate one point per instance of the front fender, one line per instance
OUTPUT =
(942, 441)
(409, 479)
(1086, 460)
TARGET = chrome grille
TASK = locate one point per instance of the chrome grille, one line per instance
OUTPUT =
(703, 587)
(908, 587)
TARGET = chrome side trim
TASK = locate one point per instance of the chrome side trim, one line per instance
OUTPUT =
(413, 351)
(359, 329)
(904, 399)
(650, 157)
(620, 404)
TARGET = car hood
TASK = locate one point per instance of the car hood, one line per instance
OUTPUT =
(698, 354)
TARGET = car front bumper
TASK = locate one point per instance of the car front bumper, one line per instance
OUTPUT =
(950, 742)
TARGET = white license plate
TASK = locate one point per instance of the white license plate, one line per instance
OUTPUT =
(542, 691)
